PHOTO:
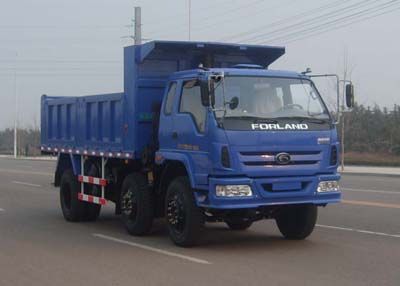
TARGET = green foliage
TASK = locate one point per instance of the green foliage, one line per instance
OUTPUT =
(372, 130)
(28, 142)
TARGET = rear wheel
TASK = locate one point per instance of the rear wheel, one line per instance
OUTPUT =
(72, 208)
(297, 221)
(137, 204)
(184, 219)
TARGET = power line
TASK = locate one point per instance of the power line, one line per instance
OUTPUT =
(60, 74)
(52, 69)
(337, 20)
(172, 20)
(285, 20)
(324, 16)
(57, 27)
(342, 26)
(206, 18)
(234, 19)
(60, 61)
(233, 10)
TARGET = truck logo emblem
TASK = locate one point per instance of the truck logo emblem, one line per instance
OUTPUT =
(287, 126)
(282, 158)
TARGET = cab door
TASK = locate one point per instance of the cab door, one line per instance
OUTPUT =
(167, 112)
(190, 129)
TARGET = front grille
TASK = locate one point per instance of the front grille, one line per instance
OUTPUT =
(273, 153)
(258, 163)
(268, 158)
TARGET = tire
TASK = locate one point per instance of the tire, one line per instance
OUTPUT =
(185, 220)
(238, 223)
(73, 209)
(298, 221)
(137, 205)
(92, 211)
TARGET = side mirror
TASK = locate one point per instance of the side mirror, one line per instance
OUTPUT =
(205, 92)
(350, 95)
(233, 104)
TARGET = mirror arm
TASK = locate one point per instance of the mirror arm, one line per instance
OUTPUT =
(337, 93)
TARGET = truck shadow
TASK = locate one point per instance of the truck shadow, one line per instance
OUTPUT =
(217, 236)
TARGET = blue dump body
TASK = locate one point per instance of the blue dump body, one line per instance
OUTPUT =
(121, 122)
(189, 117)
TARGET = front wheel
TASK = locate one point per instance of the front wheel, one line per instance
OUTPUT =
(297, 221)
(184, 219)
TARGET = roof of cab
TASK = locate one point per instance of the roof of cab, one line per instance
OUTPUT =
(237, 72)
(219, 54)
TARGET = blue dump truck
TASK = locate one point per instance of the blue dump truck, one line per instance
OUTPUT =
(203, 132)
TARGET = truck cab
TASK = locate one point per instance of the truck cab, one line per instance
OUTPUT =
(268, 131)
(256, 141)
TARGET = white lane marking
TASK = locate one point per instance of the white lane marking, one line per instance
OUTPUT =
(371, 204)
(26, 184)
(153, 249)
(2, 210)
(371, 191)
(359, 230)
(12, 171)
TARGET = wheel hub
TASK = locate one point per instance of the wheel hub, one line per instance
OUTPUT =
(128, 203)
(176, 213)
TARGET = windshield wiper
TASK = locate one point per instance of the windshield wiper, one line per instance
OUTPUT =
(255, 119)
(302, 119)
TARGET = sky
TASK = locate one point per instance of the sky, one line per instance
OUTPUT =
(72, 48)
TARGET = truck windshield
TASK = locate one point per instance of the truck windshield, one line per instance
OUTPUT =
(268, 98)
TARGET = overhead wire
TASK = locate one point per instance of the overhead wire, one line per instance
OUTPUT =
(60, 74)
(57, 61)
(172, 20)
(324, 16)
(337, 20)
(343, 25)
(233, 19)
(216, 15)
(285, 20)
(57, 27)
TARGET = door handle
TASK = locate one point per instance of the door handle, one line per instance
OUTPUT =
(175, 135)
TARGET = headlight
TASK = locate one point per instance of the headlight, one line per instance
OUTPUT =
(328, 186)
(233, 191)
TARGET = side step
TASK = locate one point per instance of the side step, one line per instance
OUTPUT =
(92, 180)
(92, 199)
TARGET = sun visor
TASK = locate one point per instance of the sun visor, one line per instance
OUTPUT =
(208, 54)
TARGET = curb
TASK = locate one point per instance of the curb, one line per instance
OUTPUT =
(46, 158)
(370, 174)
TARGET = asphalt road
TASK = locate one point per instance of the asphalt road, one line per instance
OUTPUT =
(356, 242)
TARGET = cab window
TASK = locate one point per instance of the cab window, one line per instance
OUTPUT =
(169, 103)
(191, 103)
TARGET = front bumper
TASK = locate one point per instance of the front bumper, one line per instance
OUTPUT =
(269, 192)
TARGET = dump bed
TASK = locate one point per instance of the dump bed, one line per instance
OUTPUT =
(91, 123)
(120, 124)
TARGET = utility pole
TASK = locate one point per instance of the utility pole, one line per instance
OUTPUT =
(190, 18)
(138, 26)
(16, 109)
